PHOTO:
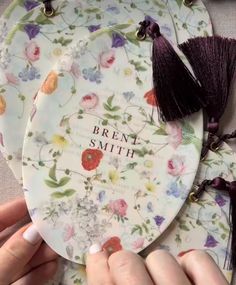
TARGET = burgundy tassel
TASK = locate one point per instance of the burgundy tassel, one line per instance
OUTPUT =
(213, 60)
(220, 184)
(178, 93)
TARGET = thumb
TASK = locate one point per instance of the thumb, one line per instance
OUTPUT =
(17, 252)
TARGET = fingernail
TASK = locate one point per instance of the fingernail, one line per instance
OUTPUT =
(32, 235)
(95, 248)
(182, 253)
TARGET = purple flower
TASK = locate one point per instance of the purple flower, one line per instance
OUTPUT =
(220, 200)
(158, 220)
(30, 4)
(94, 28)
(118, 40)
(150, 19)
(31, 30)
(210, 241)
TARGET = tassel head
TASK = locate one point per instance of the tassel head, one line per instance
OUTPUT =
(177, 92)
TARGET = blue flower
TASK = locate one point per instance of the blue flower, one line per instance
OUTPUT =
(29, 73)
(128, 95)
(118, 40)
(30, 4)
(113, 10)
(101, 196)
(92, 74)
(31, 30)
(159, 220)
(178, 191)
(94, 28)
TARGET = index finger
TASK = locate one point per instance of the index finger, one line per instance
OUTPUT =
(12, 212)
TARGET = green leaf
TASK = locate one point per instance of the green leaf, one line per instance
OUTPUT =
(27, 16)
(92, 10)
(121, 26)
(115, 109)
(106, 107)
(52, 173)
(179, 2)
(66, 193)
(131, 37)
(62, 41)
(51, 184)
(160, 132)
(63, 181)
(159, 4)
(131, 165)
(110, 99)
(183, 227)
(43, 20)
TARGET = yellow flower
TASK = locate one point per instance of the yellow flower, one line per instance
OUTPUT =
(151, 187)
(148, 163)
(59, 141)
(128, 71)
(57, 52)
(114, 176)
(2, 105)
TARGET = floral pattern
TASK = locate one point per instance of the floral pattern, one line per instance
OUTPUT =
(205, 224)
(99, 125)
(24, 55)
(185, 28)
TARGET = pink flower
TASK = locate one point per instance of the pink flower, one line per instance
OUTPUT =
(89, 101)
(138, 244)
(118, 207)
(12, 79)
(174, 131)
(107, 58)
(69, 232)
(176, 165)
(75, 70)
(32, 51)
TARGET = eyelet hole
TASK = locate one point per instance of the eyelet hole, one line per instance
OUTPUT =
(188, 3)
(48, 12)
(140, 36)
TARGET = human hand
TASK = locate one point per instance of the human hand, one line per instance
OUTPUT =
(160, 268)
(24, 258)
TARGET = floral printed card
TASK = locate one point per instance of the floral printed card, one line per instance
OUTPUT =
(36, 42)
(98, 163)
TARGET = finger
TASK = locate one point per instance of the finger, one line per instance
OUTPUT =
(17, 252)
(165, 270)
(201, 268)
(97, 266)
(128, 268)
(39, 275)
(44, 255)
(12, 212)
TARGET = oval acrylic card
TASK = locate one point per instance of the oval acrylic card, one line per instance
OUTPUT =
(36, 42)
(98, 164)
(205, 224)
